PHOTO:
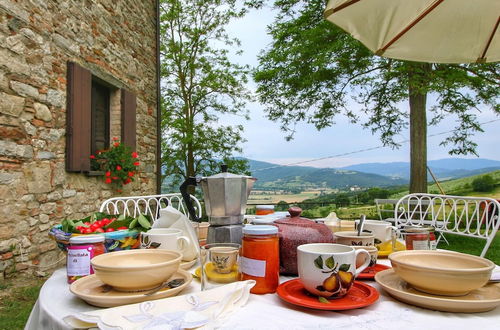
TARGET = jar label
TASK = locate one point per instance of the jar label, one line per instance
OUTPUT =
(253, 267)
(78, 262)
(421, 245)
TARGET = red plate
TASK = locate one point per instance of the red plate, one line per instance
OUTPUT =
(360, 295)
(369, 272)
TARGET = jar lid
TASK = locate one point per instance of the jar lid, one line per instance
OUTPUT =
(260, 230)
(265, 207)
(82, 239)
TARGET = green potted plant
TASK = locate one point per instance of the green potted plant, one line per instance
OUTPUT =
(119, 164)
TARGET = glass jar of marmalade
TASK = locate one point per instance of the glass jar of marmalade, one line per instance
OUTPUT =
(259, 259)
(264, 209)
(81, 249)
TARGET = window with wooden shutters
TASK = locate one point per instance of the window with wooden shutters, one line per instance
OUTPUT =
(88, 117)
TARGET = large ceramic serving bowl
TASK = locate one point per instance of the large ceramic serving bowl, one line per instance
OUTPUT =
(442, 272)
(136, 270)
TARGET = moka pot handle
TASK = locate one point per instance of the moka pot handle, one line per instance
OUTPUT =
(191, 181)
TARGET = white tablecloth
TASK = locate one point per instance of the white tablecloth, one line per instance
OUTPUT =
(270, 312)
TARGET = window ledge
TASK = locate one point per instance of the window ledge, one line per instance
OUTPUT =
(95, 173)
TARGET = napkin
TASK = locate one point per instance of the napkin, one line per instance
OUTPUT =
(206, 310)
(170, 217)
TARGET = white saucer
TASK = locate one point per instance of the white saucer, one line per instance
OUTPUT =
(90, 289)
(480, 300)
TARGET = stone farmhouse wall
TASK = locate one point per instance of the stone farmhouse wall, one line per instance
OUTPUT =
(115, 40)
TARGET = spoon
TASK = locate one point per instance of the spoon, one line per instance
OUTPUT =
(169, 285)
(361, 223)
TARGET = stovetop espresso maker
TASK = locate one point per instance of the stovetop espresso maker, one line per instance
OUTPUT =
(225, 196)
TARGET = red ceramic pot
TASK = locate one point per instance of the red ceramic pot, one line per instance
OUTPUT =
(295, 231)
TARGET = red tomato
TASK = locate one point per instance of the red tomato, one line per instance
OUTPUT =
(86, 223)
(105, 221)
(99, 230)
(109, 230)
(122, 228)
(94, 226)
(86, 231)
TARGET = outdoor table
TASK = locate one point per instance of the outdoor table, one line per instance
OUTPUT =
(270, 312)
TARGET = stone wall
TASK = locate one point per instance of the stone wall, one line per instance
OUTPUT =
(115, 40)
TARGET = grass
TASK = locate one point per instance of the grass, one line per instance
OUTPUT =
(473, 246)
(16, 304)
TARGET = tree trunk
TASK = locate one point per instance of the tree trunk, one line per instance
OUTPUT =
(418, 81)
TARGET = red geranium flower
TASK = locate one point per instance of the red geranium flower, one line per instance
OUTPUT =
(127, 181)
(116, 144)
(108, 180)
(137, 163)
(92, 157)
(108, 173)
(118, 168)
(115, 138)
(135, 155)
(131, 174)
(115, 178)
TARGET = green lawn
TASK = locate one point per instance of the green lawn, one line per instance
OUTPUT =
(15, 307)
(472, 246)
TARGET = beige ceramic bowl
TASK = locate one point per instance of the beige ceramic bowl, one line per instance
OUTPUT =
(134, 270)
(442, 272)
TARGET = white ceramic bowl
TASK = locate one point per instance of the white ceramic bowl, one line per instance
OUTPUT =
(134, 270)
(442, 272)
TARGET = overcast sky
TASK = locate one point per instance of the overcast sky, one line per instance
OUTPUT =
(266, 141)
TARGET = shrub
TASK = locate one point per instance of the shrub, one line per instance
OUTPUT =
(484, 183)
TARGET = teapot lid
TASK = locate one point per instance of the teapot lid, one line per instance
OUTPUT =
(295, 217)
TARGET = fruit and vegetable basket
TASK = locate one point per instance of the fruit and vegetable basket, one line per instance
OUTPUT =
(120, 232)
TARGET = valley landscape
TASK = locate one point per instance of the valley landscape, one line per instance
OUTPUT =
(291, 184)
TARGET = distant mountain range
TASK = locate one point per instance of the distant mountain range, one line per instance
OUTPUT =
(363, 175)
(443, 169)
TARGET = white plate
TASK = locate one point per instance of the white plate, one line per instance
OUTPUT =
(90, 289)
(480, 300)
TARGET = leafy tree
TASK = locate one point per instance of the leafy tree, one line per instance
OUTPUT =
(282, 206)
(368, 196)
(484, 183)
(342, 200)
(312, 67)
(198, 84)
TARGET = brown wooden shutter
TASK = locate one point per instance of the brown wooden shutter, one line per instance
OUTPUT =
(128, 109)
(78, 118)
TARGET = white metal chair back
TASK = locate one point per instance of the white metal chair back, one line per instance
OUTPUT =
(147, 205)
(477, 217)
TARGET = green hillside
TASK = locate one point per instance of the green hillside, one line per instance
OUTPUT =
(462, 187)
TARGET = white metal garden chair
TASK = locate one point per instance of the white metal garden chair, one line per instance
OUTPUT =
(148, 205)
(477, 217)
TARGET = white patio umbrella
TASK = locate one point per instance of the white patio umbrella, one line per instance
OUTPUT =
(436, 31)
